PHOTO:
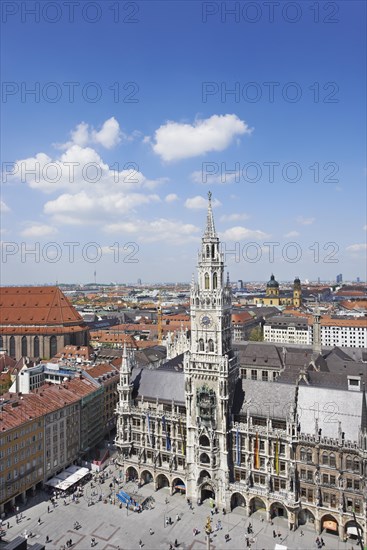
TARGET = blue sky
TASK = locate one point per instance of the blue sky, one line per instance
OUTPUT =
(163, 131)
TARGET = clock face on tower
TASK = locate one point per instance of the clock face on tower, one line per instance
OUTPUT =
(206, 321)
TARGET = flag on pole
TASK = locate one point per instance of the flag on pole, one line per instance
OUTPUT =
(277, 456)
(256, 453)
(168, 441)
(181, 435)
(148, 424)
(238, 452)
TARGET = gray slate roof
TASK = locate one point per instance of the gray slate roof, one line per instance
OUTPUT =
(268, 399)
(165, 383)
(330, 406)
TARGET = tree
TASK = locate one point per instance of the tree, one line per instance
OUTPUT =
(256, 335)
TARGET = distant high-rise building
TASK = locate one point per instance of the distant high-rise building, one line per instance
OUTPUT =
(239, 284)
(139, 282)
(358, 280)
(339, 278)
(318, 280)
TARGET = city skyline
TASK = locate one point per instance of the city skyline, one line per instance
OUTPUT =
(124, 158)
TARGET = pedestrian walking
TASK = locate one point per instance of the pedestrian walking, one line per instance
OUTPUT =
(140, 544)
(39, 521)
(178, 517)
(175, 544)
(48, 509)
(151, 532)
(47, 538)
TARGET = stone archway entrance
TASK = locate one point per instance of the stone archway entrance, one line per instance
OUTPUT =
(207, 492)
(162, 481)
(353, 530)
(278, 510)
(238, 501)
(256, 504)
(305, 516)
(329, 525)
(131, 474)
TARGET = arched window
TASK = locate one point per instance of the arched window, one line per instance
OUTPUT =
(356, 465)
(207, 251)
(303, 455)
(53, 346)
(332, 460)
(349, 463)
(325, 458)
(206, 278)
(12, 346)
(36, 347)
(309, 455)
(211, 346)
(24, 346)
(201, 344)
(1, 342)
(215, 280)
(197, 302)
(204, 441)
(213, 251)
(204, 459)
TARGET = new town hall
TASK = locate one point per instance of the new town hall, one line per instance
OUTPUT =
(295, 446)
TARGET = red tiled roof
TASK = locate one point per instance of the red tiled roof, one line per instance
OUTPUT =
(40, 305)
(22, 408)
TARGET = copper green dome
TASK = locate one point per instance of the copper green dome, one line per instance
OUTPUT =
(272, 283)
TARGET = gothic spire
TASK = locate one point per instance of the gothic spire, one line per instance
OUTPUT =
(210, 228)
(125, 367)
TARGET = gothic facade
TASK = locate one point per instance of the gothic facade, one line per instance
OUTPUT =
(194, 424)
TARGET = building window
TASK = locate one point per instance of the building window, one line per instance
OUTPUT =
(332, 460)
(264, 375)
(201, 344)
(12, 346)
(24, 346)
(206, 279)
(253, 374)
(36, 347)
(215, 280)
(211, 346)
(53, 346)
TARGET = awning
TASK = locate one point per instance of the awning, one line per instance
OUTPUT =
(352, 530)
(331, 525)
(181, 487)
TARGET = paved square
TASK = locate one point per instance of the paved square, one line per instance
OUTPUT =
(116, 528)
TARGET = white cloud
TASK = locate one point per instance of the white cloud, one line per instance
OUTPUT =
(233, 217)
(85, 207)
(200, 203)
(239, 233)
(305, 221)
(156, 231)
(365, 227)
(358, 247)
(4, 207)
(83, 134)
(109, 134)
(38, 230)
(291, 234)
(175, 140)
(171, 197)
(79, 168)
(203, 176)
